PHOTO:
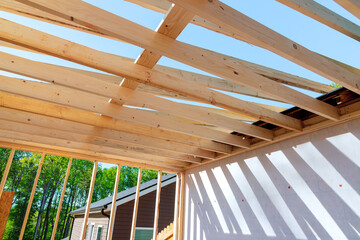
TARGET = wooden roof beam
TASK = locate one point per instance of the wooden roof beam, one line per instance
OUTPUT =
(353, 6)
(257, 34)
(96, 120)
(91, 131)
(56, 75)
(105, 145)
(88, 102)
(31, 38)
(88, 15)
(172, 25)
(324, 15)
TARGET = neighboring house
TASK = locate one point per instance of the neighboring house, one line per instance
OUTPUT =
(100, 211)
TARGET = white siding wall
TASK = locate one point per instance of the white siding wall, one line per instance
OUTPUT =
(304, 188)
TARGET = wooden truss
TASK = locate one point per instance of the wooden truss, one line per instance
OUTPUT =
(127, 117)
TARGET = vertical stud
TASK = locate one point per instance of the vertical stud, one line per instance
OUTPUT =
(87, 211)
(136, 205)
(157, 204)
(6, 172)
(31, 197)
(61, 199)
(113, 207)
(176, 208)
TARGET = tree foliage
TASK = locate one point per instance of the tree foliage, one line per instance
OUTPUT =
(48, 191)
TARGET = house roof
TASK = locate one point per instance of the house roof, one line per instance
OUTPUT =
(127, 195)
(137, 106)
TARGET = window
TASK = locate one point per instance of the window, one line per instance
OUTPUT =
(90, 232)
(99, 230)
(143, 233)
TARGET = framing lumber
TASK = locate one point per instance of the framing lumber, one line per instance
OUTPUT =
(209, 81)
(136, 205)
(121, 137)
(55, 46)
(88, 15)
(57, 138)
(182, 206)
(67, 152)
(22, 231)
(256, 33)
(157, 205)
(88, 203)
(53, 234)
(113, 205)
(6, 171)
(89, 84)
(176, 208)
(324, 15)
(353, 6)
(56, 111)
(172, 25)
(76, 99)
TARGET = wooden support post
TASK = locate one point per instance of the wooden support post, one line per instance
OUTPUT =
(31, 197)
(87, 211)
(113, 206)
(157, 204)
(6, 172)
(181, 209)
(136, 205)
(176, 208)
(61, 199)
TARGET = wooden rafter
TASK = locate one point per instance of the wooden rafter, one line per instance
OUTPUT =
(172, 25)
(104, 145)
(55, 46)
(324, 15)
(209, 81)
(256, 33)
(76, 99)
(82, 82)
(353, 6)
(133, 33)
(56, 111)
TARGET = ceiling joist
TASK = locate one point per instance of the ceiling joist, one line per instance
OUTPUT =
(122, 116)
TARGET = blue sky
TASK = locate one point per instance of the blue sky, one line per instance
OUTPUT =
(299, 28)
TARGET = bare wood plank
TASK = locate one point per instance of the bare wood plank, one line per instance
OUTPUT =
(107, 62)
(182, 206)
(22, 231)
(18, 8)
(72, 127)
(87, 210)
(157, 205)
(53, 234)
(88, 102)
(353, 6)
(34, 106)
(172, 25)
(6, 201)
(57, 138)
(6, 171)
(136, 205)
(135, 98)
(324, 15)
(196, 57)
(176, 208)
(256, 33)
(113, 205)
(67, 152)
(212, 82)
